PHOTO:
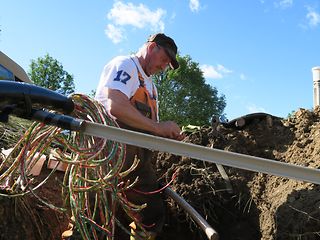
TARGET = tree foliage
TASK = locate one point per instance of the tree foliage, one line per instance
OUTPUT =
(184, 96)
(49, 73)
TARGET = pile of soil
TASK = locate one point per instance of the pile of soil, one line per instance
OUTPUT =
(25, 217)
(259, 206)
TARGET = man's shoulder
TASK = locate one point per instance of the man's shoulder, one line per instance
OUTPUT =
(123, 61)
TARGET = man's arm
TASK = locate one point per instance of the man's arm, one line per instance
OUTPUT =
(121, 108)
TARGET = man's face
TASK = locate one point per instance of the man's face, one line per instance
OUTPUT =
(158, 60)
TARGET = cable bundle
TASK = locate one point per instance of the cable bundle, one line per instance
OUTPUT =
(92, 186)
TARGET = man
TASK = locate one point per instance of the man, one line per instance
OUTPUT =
(127, 91)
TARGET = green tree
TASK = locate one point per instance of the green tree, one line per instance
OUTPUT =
(49, 73)
(92, 93)
(184, 96)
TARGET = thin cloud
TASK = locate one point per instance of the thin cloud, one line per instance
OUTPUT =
(114, 33)
(138, 16)
(252, 108)
(217, 72)
(313, 17)
(284, 4)
(243, 77)
(194, 5)
(223, 69)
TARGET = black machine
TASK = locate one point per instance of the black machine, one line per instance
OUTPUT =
(33, 102)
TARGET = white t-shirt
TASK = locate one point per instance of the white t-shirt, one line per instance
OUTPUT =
(121, 74)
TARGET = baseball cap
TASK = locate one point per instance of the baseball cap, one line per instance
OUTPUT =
(168, 45)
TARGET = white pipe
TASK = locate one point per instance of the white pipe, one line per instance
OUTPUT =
(316, 86)
(202, 223)
(202, 153)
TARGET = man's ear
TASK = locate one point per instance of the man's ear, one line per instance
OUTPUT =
(151, 46)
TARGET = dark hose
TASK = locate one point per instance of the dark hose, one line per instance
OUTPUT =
(26, 96)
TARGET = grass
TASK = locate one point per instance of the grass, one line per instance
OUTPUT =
(12, 131)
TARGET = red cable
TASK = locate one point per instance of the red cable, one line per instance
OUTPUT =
(159, 190)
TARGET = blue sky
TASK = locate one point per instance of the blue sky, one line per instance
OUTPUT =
(258, 53)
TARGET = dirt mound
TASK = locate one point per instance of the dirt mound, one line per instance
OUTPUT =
(25, 217)
(260, 206)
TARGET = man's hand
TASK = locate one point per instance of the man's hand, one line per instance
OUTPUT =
(169, 129)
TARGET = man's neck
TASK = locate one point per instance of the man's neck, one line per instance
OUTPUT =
(142, 62)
